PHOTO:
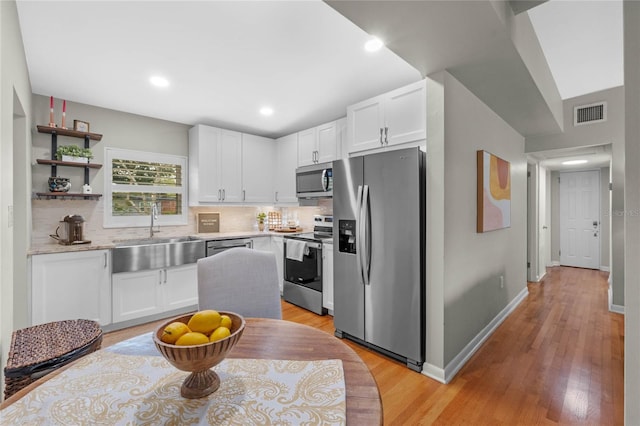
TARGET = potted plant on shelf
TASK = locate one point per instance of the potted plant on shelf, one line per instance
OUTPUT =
(73, 154)
(261, 217)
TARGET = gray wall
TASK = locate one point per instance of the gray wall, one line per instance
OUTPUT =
(470, 264)
(605, 217)
(632, 206)
(609, 132)
(15, 142)
(119, 130)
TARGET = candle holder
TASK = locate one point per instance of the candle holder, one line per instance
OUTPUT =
(51, 121)
(64, 115)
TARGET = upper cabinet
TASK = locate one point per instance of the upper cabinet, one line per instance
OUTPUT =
(394, 118)
(229, 167)
(285, 172)
(318, 145)
(215, 165)
(258, 158)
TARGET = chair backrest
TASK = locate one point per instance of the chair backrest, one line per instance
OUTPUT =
(240, 280)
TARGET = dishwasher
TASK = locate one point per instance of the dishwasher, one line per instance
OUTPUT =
(218, 246)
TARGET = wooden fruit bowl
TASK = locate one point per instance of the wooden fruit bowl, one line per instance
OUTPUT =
(198, 359)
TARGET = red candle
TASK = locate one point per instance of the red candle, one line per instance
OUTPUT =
(64, 106)
(51, 102)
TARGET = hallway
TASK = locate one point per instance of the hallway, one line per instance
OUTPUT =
(558, 359)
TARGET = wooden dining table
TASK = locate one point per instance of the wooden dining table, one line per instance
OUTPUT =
(279, 339)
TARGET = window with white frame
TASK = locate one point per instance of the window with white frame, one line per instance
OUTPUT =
(136, 180)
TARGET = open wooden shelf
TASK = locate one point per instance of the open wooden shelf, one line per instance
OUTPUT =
(68, 132)
(68, 163)
(67, 195)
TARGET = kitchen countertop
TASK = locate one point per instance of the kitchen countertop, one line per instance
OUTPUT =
(54, 247)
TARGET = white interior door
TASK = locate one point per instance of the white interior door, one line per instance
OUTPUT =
(580, 219)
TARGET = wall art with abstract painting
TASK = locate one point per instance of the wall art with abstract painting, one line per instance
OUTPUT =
(494, 192)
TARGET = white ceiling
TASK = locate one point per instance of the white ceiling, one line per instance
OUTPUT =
(225, 60)
(582, 42)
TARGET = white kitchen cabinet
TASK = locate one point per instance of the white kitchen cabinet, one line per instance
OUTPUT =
(327, 276)
(262, 243)
(393, 118)
(318, 144)
(145, 293)
(327, 143)
(72, 285)
(307, 146)
(258, 158)
(285, 172)
(277, 246)
(215, 165)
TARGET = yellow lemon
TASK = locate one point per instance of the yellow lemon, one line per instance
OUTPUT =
(192, 338)
(204, 321)
(173, 331)
(225, 321)
(219, 334)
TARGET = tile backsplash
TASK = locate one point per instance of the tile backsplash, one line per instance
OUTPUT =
(47, 213)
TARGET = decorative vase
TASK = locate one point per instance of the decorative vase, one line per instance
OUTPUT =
(261, 226)
(59, 184)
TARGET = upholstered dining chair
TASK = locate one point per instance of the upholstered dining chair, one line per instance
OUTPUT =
(240, 280)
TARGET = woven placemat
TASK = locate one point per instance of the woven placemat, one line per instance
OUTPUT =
(45, 345)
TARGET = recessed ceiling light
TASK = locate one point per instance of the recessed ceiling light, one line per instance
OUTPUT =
(373, 45)
(573, 162)
(266, 111)
(159, 81)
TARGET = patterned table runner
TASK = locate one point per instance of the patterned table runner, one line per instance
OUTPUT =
(106, 388)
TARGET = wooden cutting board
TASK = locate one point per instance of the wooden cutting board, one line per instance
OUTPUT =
(288, 230)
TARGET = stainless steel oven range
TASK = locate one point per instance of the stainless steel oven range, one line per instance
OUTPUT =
(303, 266)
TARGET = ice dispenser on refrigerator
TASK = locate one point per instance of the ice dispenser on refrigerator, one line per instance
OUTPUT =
(347, 236)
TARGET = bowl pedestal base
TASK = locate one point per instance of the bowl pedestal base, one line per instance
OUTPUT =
(200, 384)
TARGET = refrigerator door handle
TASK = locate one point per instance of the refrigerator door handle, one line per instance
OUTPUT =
(366, 231)
(359, 234)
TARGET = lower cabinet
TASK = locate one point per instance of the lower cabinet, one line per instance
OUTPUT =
(327, 276)
(144, 293)
(72, 285)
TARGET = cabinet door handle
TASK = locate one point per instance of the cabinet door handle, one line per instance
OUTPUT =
(219, 194)
(165, 276)
(105, 260)
(224, 194)
(160, 277)
(244, 195)
(381, 143)
(386, 133)
(276, 196)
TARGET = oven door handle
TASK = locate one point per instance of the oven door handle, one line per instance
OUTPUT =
(317, 246)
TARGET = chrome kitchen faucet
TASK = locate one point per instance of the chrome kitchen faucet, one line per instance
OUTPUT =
(154, 216)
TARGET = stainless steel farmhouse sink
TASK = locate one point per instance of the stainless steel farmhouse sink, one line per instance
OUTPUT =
(155, 253)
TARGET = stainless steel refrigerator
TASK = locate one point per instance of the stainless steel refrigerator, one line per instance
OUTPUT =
(379, 239)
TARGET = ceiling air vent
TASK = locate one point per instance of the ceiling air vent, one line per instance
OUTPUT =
(588, 114)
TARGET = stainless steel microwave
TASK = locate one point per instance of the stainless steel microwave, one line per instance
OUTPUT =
(314, 181)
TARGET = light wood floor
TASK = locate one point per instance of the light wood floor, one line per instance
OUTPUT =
(557, 359)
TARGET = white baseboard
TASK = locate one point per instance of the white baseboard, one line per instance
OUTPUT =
(604, 268)
(472, 347)
(433, 372)
(617, 309)
(614, 308)
(555, 263)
